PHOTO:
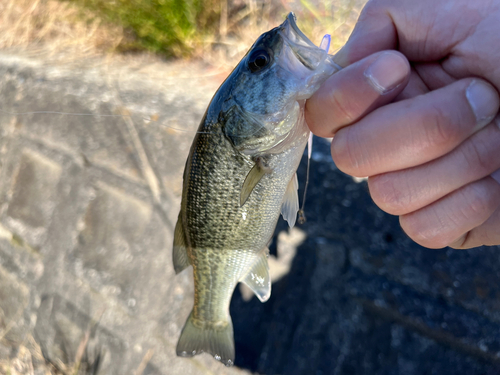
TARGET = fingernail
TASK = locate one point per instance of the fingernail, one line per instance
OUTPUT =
(387, 72)
(496, 175)
(483, 99)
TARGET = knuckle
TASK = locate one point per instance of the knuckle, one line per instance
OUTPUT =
(345, 109)
(437, 226)
(344, 152)
(475, 156)
(439, 128)
(477, 198)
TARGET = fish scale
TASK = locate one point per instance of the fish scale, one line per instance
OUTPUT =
(214, 181)
(239, 177)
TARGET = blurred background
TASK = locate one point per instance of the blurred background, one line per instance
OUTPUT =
(99, 102)
(218, 32)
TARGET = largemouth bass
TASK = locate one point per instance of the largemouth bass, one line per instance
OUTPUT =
(239, 176)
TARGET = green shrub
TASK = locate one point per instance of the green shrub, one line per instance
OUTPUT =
(168, 27)
(175, 28)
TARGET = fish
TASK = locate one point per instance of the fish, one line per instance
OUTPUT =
(240, 175)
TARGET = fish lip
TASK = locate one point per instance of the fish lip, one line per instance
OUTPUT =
(306, 52)
(291, 20)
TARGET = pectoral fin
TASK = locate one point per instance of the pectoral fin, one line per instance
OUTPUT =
(258, 278)
(290, 205)
(253, 177)
(179, 252)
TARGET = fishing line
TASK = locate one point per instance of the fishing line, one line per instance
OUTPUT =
(58, 113)
(302, 217)
(325, 46)
(97, 115)
(88, 114)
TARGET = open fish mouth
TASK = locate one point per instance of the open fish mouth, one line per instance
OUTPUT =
(303, 50)
(291, 22)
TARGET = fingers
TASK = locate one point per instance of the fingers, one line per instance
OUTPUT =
(428, 143)
(374, 31)
(411, 132)
(408, 190)
(486, 234)
(496, 175)
(354, 91)
(411, 27)
(450, 219)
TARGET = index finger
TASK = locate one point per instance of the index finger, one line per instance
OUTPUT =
(374, 31)
(351, 93)
(420, 33)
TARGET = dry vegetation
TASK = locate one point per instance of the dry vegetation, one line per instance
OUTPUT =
(54, 27)
(71, 31)
(29, 359)
(240, 30)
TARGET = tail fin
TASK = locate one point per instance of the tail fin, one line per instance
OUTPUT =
(219, 342)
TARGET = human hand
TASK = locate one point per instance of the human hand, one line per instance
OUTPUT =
(425, 133)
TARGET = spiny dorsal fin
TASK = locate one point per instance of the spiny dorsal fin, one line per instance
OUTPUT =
(253, 177)
(179, 252)
(290, 205)
(258, 278)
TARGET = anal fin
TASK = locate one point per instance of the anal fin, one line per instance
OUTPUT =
(258, 278)
(179, 252)
(290, 205)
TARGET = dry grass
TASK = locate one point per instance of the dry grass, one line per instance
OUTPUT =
(238, 32)
(64, 29)
(54, 26)
(28, 360)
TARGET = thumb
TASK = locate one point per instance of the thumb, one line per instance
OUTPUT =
(374, 31)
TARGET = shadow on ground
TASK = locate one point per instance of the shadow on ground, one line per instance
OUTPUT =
(362, 298)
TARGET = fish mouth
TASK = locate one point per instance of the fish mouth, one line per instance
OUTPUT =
(308, 54)
(291, 21)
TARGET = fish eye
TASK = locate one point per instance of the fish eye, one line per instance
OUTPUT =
(258, 60)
